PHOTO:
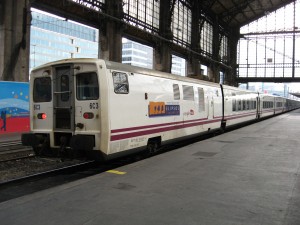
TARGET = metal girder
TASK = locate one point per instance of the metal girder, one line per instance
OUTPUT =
(236, 13)
(238, 8)
(225, 15)
(267, 79)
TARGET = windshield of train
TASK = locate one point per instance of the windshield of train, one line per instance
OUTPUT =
(42, 89)
(87, 86)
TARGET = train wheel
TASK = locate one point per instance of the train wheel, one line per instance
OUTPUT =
(153, 145)
(37, 151)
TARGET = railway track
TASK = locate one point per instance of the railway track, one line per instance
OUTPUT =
(17, 158)
(13, 150)
(10, 143)
(44, 174)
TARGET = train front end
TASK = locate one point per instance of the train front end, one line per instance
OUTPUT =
(64, 108)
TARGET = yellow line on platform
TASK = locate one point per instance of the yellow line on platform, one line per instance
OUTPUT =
(116, 172)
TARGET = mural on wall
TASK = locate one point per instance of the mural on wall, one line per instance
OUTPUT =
(14, 107)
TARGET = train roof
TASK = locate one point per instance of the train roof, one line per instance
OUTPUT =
(139, 70)
(156, 73)
(130, 69)
(127, 68)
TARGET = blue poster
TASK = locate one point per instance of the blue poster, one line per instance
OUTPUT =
(14, 98)
(14, 106)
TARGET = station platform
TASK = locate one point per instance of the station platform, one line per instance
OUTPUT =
(249, 176)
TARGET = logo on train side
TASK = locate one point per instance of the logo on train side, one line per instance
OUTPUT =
(163, 109)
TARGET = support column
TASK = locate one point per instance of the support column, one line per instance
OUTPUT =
(232, 45)
(213, 74)
(111, 33)
(14, 40)
(162, 50)
(214, 67)
(162, 58)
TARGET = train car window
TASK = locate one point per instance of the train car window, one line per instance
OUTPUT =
(64, 87)
(188, 92)
(87, 86)
(42, 89)
(248, 104)
(201, 99)
(239, 105)
(254, 106)
(176, 92)
(244, 105)
(233, 105)
(268, 105)
(121, 85)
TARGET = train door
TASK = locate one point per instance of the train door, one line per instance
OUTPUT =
(275, 104)
(217, 104)
(258, 112)
(63, 102)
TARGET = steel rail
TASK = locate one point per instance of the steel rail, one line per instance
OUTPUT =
(17, 158)
(10, 143)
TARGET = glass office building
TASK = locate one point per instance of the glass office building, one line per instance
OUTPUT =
(178, 66)
(136, 54)
(54, 38)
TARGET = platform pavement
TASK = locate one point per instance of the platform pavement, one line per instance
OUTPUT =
(249, 176)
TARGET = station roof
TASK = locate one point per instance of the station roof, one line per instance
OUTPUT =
(233, 13)
(237, 13)
(296, 94)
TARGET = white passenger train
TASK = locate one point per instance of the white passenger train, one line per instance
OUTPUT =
(108, 109)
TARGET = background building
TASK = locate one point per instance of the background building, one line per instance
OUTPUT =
(54, 38)
(136, 54)
(178, 66)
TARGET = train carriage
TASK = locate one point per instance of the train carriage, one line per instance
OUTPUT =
(279, 105)
(266, 105)
(239, 105)
(108, 109)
